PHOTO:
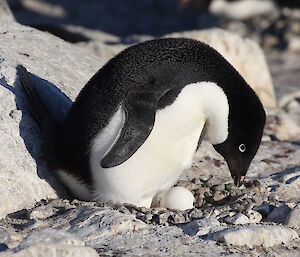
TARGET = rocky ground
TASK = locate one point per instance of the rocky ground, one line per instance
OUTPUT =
(258, 219)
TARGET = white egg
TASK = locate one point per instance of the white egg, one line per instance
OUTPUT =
(177, 198)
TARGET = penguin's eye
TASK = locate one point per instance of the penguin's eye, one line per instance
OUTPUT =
(242, 148)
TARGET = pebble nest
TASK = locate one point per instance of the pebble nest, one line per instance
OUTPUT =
(211, 201)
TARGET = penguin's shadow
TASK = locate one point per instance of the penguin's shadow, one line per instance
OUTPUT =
(30, 132)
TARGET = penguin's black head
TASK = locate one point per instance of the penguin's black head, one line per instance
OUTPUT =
(246, 121)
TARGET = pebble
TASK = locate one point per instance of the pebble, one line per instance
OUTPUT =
(218, 196)
(161, 218)
(3, 247)
(264, 209)
(254, 216)
(293, 219)
(229, 186)
(4, 236)
(195, 214)
(256, 235)
(220, 187)
(237, 219)
(279, 214)
(177, 218)
(42, 212)
(200, 227)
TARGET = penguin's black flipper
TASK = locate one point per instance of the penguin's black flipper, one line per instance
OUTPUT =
(140, 108)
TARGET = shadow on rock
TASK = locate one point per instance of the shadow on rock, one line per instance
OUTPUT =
(116, 17)
(30, 132)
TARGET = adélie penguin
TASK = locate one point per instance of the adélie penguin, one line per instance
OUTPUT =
(135, 126)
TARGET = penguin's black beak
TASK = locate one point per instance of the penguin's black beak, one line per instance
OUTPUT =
(238, 170)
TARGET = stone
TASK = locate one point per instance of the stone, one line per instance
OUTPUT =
(200, 227)
(50, 243)
(195, 214)
(237, 219)
(254, 216)
(286, 99)
(52, 251)
(281, 125)
(294, 44)
(292, 178)
(42, 212)
(256, 235)
(4, 236)
(220, 187)
(49, 236)
(21, 154)
(293, 219)
(218, 196)
(244, 54)
(241, 10)
(176, 218)
(102, 223)
(279, 214)
(263, 209)
(161, 218)
(5, 12)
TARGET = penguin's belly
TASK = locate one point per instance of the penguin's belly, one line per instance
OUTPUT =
(159, 162)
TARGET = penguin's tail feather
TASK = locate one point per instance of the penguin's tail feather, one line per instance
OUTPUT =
(37, 109)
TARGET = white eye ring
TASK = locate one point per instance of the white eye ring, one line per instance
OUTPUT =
(242, 148)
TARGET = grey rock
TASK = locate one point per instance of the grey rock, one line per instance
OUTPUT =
(49, 236)
(281, 125)
(264, 209)
(237, 219)
(293, 219)
(50, 243)
(255, 235)
(60, 250)
(95, 223)
(254, 216)
(48, 57)
(5, 12)
(4, 236)
(195, 214)
(243, 9)
(220, 187)
(161, 218)
(42, 212)
(177, 218)
(294, 44)
(200, 227)
(279, 214)
(219, 195)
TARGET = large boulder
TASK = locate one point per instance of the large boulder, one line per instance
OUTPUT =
(24, 177)
(244, 54)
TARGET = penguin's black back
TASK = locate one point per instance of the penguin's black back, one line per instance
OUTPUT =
(154, 64)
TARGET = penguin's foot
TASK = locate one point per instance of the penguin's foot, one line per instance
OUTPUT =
(177, 198)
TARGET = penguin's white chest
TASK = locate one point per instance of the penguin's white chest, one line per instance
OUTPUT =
(159, 162)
